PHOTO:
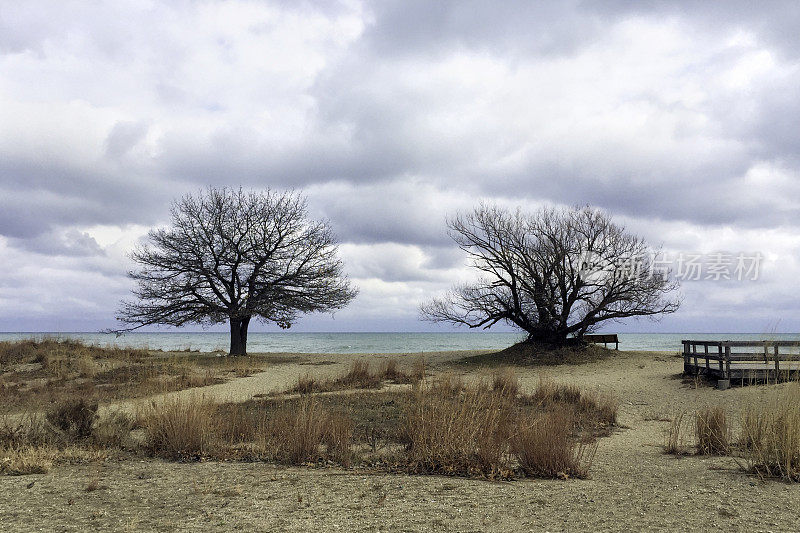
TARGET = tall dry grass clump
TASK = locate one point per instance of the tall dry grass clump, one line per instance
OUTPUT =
(458, 433)
(418, 370)
(675, 441)
(306, 433)
(544, 447)
(505, 381)
(771, 435)
(178, 428)
(391, 371)
(338, 438)
(359, 375)
(712, 431)
(549, 392)
(74, 416)
(590, 406)
(25, 460)
(295, 434)
(448, 384)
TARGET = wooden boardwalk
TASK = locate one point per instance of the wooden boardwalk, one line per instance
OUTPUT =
(742, 361)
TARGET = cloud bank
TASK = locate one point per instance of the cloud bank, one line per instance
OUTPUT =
(678, 118)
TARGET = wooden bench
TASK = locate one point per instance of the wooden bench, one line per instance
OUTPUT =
(605, 339)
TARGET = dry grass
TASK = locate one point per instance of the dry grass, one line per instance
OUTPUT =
(712, 432)
(418, 369)
(447, 427)
(505, 381)
(462, 434)
(31, 444)
(60, 353)
(491, 432)
(37, 374)
(74, 416)
(544, 447)
(296, 434)
(771, 435)
(358, 376)
(676, 436)
(448, 384)
(444, 427)
(593, 406)
(25, 460)
(178, 428)
(292, 433)
(113, 430)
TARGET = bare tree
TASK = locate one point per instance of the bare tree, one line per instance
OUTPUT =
(555, 274)
(232, 255)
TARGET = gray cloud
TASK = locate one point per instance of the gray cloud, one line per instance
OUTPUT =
(70, 242)
(678, 117)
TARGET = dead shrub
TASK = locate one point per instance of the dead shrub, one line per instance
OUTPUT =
(74, 416)
(711, 430)
(545, 448)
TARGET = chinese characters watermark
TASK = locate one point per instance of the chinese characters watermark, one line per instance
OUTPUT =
(684, 266)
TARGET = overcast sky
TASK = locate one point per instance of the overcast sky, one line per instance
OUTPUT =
(678, 118)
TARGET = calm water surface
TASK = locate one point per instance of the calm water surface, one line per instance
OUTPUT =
(370, 342)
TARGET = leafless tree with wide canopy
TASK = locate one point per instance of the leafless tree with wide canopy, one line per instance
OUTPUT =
(556, 274)
(231, 255)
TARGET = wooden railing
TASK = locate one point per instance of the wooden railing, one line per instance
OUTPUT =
(727, 360)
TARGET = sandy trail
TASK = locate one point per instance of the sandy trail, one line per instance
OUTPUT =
(634, 486)
(281, 375)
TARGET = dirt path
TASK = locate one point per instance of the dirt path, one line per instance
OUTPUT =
(634, 486)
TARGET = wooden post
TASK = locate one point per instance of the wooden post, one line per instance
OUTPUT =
(707, 367)
(721, 370)
(728, 362)
(685, 357)
(777, 363)
(694, 353)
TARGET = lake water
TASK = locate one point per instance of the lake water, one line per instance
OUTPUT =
(371, 342)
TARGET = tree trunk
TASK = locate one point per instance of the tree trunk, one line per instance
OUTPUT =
(239, 335)
(555, 338)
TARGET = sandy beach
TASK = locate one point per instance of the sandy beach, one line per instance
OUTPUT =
(633, 484)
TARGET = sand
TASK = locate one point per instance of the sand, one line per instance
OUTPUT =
(633, 486)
